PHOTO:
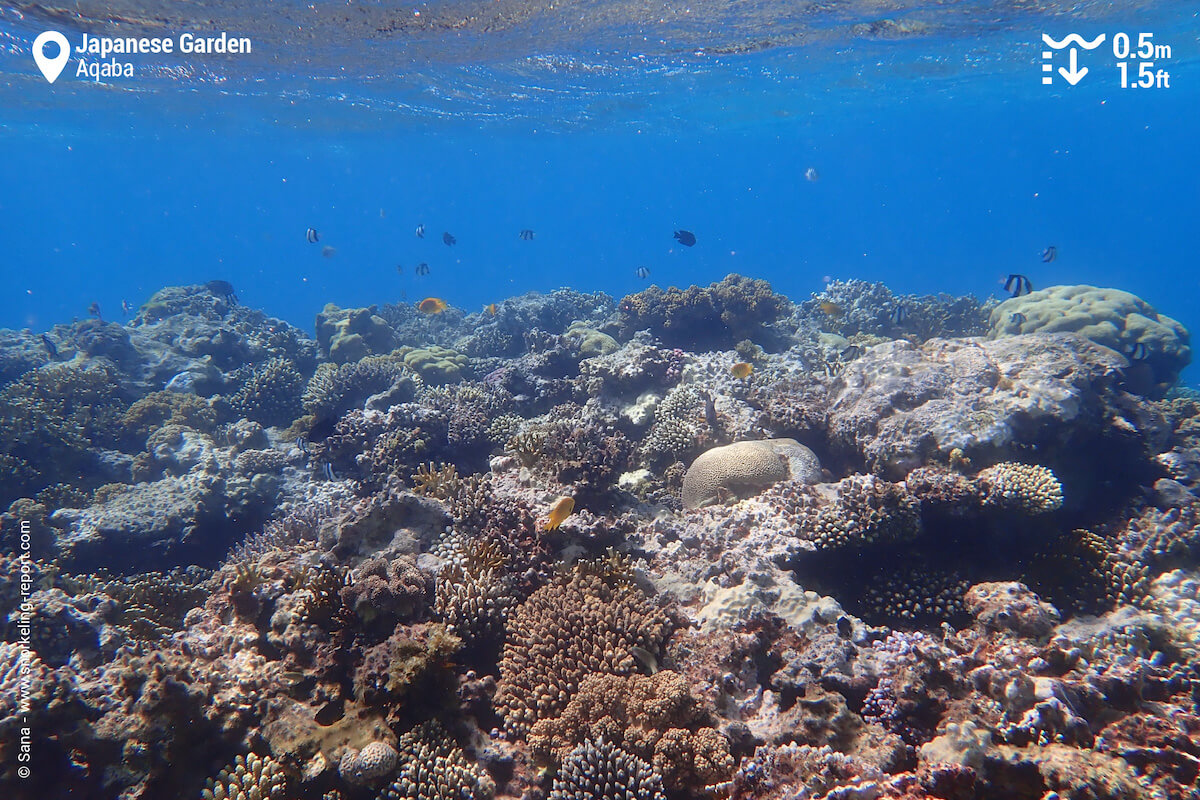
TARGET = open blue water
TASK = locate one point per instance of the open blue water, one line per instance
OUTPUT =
(944, 163)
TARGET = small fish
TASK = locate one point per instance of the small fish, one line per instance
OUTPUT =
(686, 238)
(1017, 318)
(422, 269)
(94, 310)
(899, 314)
(850, 353)
(1018, 285)
(222, 289)
(1138, 352)
(50, 348)
(811, 175)
(328, 251)
(710, 414)
(292, 676)
(1049, 254)
(831, 308)
(399, 269)
(490, 308)
(645, 658)
(311, 236)
(327, 471)
(527, 234)
(126, 308)
(642, 272)
(448, 239)
(432, 305)
(561, 509)
(420, 231)
(742, 370)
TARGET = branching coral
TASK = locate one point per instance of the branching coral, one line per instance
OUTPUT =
(577, 625)
(1027, 487)
(249, 777)
(473, 596)
(433, 767)
(654, 717)
(605, 772)
(269, 393)
(336, 388)
(706, 318)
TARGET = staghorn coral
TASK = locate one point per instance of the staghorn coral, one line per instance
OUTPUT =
(654, 717)
(576, 625)
(433, 767)
(440, 482)
(605, 772)
(269, 393)
(150, 605)
(1028, 487)
(746, 468)
(743, 307)
(249, 777)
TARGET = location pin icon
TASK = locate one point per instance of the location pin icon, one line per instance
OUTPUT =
(51, 67)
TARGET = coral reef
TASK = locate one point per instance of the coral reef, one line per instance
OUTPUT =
(605, 772)
(712, 318)
(1156, 344)
(745, 468)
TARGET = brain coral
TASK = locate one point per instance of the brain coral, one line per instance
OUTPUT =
(1109, 317)
(743, 469)
(577, 625)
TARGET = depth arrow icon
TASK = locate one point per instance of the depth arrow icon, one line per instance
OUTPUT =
(1074, 75)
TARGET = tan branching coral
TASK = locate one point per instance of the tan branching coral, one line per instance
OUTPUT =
(573, 627)
(1027, 487)
(433, 767)
(472, 595)
(654, 717)
(249, 777)
(605, 772)
(441, 481)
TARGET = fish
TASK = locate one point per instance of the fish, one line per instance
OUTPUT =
(899, 313)
(126, 308)
(742, 370)
(642, 272)
(645, 658)
(1018, 284)
(812, 175)
(399, 269)
(831, 308)
(1017, 318)
(311, 236)
(222, 289)
(850, 353)
(1049, 254)
(448, 239)
(432, 305)
(527, 234)
(50, 348)
(420, 231)
(422, 269)
(1138, 351)
(686, 238)
(710, 414)
(561, 509)
(490, 308)
(328, 251)
(94, 310)
(327, 471)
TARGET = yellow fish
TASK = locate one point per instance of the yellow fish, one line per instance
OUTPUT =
(831, 308)
(741, 370)
(432, 305)
(561, 509)
(490, 308)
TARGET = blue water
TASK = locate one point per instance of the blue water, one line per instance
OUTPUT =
(934, 176)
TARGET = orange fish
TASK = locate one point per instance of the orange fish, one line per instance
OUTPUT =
(490, 308)
(561, 509)
(741, 370)
(831, 308)
(432, 305)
